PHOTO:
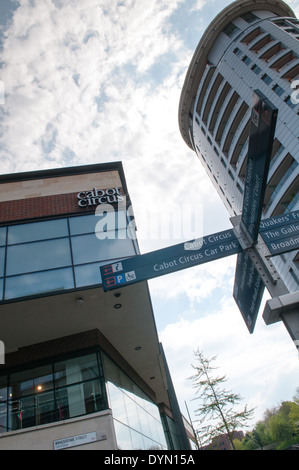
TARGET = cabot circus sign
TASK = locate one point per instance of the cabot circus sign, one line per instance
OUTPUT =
(99, 196)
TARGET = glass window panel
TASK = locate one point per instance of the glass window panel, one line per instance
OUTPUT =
(88, 248)
(31, 381)
(2, 258)
(1, 289)
(39, 283)
(116, 403)
(2, 236)
(45, 408)
(38, 256)
(76, 370)
(138, 440)
(132, 413)
(88, 274)
(123, 436)
(99, 222)
(37, 231)
(3, 417)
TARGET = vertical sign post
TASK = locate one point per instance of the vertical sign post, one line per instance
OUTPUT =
(262, 129)
(249, 287)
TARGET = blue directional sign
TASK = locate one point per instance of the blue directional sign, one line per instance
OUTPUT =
(262, 129)
(248, 290)
(170, 259)
(281, 233)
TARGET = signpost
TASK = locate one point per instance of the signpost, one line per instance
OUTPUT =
(170, 259)
(248, 287)
(280, 234)
(248, 290)
(263, 122)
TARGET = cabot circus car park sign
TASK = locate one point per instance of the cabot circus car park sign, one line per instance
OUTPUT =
(171, 259)
(96, 197)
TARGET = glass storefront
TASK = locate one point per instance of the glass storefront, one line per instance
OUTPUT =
(73, 387)
(55, 255)
(137, 419)
(52, 392)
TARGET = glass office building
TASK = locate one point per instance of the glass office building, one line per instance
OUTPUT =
(82, 367)
(250, 45)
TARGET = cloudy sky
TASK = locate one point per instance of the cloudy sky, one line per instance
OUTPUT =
(94, 81)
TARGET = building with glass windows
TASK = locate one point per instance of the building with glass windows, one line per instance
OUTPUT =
(82, 367)
(250, 45)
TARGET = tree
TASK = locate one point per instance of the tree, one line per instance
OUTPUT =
(279, 428)
(217, 404)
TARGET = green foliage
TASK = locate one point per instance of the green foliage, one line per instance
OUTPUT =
(279, 429)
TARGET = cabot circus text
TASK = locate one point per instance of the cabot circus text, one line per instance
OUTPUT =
(99, 196)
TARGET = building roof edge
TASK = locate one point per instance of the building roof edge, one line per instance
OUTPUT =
(196, 67)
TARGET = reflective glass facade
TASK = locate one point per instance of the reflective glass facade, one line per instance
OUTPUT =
(72, 387)
(58, 254)
(137, 419)
(52, 392)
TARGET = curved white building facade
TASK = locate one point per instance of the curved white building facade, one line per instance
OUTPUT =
(250, 45)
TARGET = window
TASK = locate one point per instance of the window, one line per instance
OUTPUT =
(88, 248)
(231, 30)
(38, 256)
(55, 255)
(249, 17)
(37, 231)
(2, 236)
(137, 419)
(246, 60)
(278, 90)
(267, 79)
(39, 283)
(52, 392)
(2, 258)
(256, 69)
(238, 52)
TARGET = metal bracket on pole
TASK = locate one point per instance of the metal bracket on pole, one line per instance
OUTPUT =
(260, 256)
(281, 305)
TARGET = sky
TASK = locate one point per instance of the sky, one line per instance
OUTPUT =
(98, 81)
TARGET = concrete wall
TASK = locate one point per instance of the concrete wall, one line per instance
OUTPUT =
(43, 437)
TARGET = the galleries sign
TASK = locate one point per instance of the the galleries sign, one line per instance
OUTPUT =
(99, 196)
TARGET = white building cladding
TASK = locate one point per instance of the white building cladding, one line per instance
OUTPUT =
(250, 45)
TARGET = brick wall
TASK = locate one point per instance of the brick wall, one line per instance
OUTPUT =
(46, 206)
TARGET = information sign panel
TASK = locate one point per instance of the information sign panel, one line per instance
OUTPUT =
(262, 129)
(170, 259)
(248, 289)
(281, 233)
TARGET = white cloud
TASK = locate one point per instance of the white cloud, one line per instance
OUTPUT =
(79, 69)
